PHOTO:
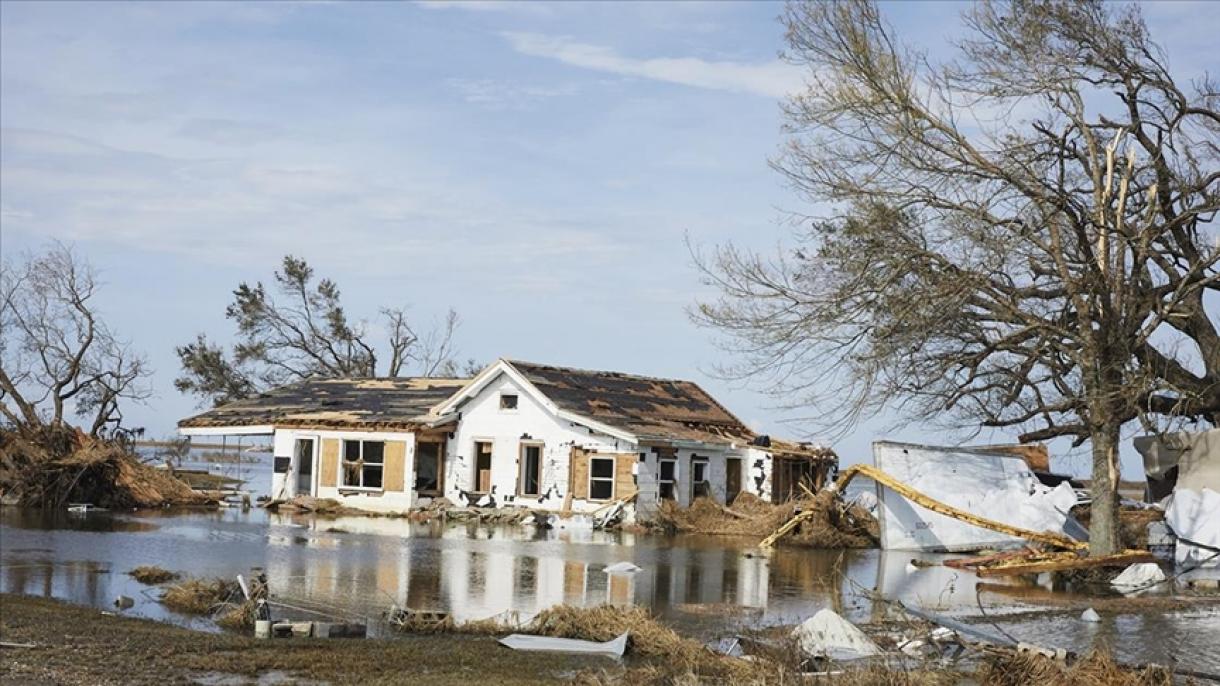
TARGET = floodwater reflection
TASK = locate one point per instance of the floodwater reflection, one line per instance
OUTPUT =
(357, 567)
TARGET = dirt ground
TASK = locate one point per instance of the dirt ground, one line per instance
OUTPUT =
(79, 645)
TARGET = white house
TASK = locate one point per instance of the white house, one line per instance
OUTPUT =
(516, 435)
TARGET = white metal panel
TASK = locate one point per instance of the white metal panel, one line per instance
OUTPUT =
(997, 486)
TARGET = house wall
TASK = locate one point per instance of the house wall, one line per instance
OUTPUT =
(483, 420)
(284, 485)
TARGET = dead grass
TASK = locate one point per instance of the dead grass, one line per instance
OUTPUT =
(1094, 669)
(830, 524)
(199, 596)
(152, 575)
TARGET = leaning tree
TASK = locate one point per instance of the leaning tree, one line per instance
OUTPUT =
(58, 358)
(1018, 237)
(301, 330)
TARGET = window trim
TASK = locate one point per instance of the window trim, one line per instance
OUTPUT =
(673, 482)
(706, 463)
(612, 478)
(516, 401)
(522, 445)
(343, 461)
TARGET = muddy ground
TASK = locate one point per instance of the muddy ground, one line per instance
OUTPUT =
(79, 645)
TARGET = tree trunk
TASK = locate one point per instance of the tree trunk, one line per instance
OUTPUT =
(1103, 515)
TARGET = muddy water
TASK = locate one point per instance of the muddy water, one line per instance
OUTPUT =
(358, 567)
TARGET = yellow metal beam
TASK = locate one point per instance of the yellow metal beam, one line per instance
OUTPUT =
(1047, 537)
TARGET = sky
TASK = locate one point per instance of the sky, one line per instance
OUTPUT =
(538, 167)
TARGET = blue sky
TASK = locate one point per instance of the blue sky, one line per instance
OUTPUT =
(536, 166)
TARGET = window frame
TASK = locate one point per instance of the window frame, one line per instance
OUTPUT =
(612, 478)
(522, 447)
(672, 482)
(697, 461)
(344, 462)
(516, 401)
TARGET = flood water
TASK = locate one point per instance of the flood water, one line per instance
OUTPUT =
(357, 567)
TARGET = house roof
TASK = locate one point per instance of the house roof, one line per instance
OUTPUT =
(367, 403)
(649, 408)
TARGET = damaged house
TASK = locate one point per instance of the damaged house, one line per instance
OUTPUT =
(517, 434)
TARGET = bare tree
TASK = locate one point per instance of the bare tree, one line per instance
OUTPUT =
(1018, 238)
(56, 355)
(302, 331)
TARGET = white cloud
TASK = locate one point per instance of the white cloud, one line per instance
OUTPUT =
(771, 79)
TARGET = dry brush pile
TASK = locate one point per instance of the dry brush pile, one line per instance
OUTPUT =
(831, 522)
(60, 465)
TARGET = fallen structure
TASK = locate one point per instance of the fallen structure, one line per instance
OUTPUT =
(980, 483)
(1183, 476)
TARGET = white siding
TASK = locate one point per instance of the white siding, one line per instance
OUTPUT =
(483, 420)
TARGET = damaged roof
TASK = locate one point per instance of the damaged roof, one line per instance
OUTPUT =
(367, 403)
(647, 407)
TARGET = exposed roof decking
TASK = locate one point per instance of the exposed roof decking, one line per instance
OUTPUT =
(367, 403)
(653, 409)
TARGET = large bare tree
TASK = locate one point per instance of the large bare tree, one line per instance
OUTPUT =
(57, 356)
(303, 333)
(1019, 237)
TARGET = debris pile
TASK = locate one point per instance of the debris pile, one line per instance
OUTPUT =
(199, 596)
(153, 575)
(825, 521)
(62, 466)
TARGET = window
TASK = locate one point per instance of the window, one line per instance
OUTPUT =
(428, 466)
(482, 466)
(667, 478)
(362, 463)
(601, 478)
(698, 477)
(508, 401)
(529, 482)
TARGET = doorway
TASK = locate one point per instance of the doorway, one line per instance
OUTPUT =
(304, 456)
(732, 479)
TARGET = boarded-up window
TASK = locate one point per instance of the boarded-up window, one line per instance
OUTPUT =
(328, 472)
(363, 463)
(579, 474)
(395, 465)
(624, 476)
(529, 481)
(601, 478)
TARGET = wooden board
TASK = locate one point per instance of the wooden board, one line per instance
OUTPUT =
(395, 465)
(329, 476)
(624, 479)
(580, 474)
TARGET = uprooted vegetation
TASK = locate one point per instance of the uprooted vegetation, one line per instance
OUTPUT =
(829, 523)
(199, 596)
(57, 465)
(1094, 669)
(152, 575)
